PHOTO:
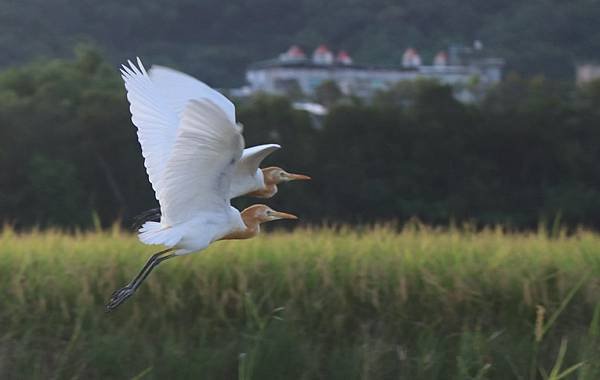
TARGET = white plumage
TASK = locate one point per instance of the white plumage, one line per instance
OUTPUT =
(158, 98)
(179, 88)
(247, 177)
(190, 159)
(194, 187)
(156, 123)
(193, 150)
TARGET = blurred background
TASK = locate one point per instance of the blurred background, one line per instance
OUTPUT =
(441, 110)
(472, 127)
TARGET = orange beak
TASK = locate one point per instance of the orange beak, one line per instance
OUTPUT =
(297, 177)
(282, 215)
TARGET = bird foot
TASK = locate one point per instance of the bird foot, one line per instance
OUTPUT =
(118, 297)
(118, 291)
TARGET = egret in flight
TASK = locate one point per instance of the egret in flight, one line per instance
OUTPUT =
(172, 90)
(191, 169)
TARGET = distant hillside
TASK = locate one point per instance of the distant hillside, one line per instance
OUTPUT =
(216, 40)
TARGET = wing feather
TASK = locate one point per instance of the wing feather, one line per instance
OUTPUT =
(179, 88)
(252, 157)
(247, 177)
(197, 176)
(154, 118)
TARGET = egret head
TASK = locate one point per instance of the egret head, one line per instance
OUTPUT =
(261, 213)
(274, 175)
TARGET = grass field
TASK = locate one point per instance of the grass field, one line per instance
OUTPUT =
(313, 304)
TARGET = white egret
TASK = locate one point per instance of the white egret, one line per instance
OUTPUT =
(168, 91)
(192, 181)
(178, 88)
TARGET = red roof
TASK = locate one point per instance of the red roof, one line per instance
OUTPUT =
(342, 54)
(410, 52)
(295, 51)
(441, 58)
(322, 49)
(344, 57)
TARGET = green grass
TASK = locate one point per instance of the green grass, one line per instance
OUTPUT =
(313, 304)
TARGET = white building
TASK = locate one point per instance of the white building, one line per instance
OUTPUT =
(464, 69)
(411, 58)
(586, 73)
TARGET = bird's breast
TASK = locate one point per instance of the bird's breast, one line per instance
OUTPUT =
(207, 228)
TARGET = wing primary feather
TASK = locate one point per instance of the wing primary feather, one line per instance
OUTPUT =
(179, 88)
(132, 66)
(139, 61)
(155, 121)
(128, 70)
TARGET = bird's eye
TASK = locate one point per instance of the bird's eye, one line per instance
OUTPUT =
(281, 174)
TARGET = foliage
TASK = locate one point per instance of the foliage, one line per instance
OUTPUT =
(337, 304)
(527, 153)
(66, 147)
(217, 40)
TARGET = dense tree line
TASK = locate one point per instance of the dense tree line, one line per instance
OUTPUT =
(217, 39)
(530, 151)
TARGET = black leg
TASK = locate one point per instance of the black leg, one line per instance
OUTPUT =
(149, 269)
(144, 268)
(120, 295)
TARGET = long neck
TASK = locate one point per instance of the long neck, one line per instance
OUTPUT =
(252, 229)
(266, 192)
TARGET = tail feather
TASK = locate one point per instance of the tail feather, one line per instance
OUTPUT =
(155, 233)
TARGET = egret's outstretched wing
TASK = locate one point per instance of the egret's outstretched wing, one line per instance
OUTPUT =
(179, 88)
(198, 173)
(155, 120)
(252, 157)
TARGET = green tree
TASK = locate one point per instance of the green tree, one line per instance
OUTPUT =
(73, 113)
(55, 193)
